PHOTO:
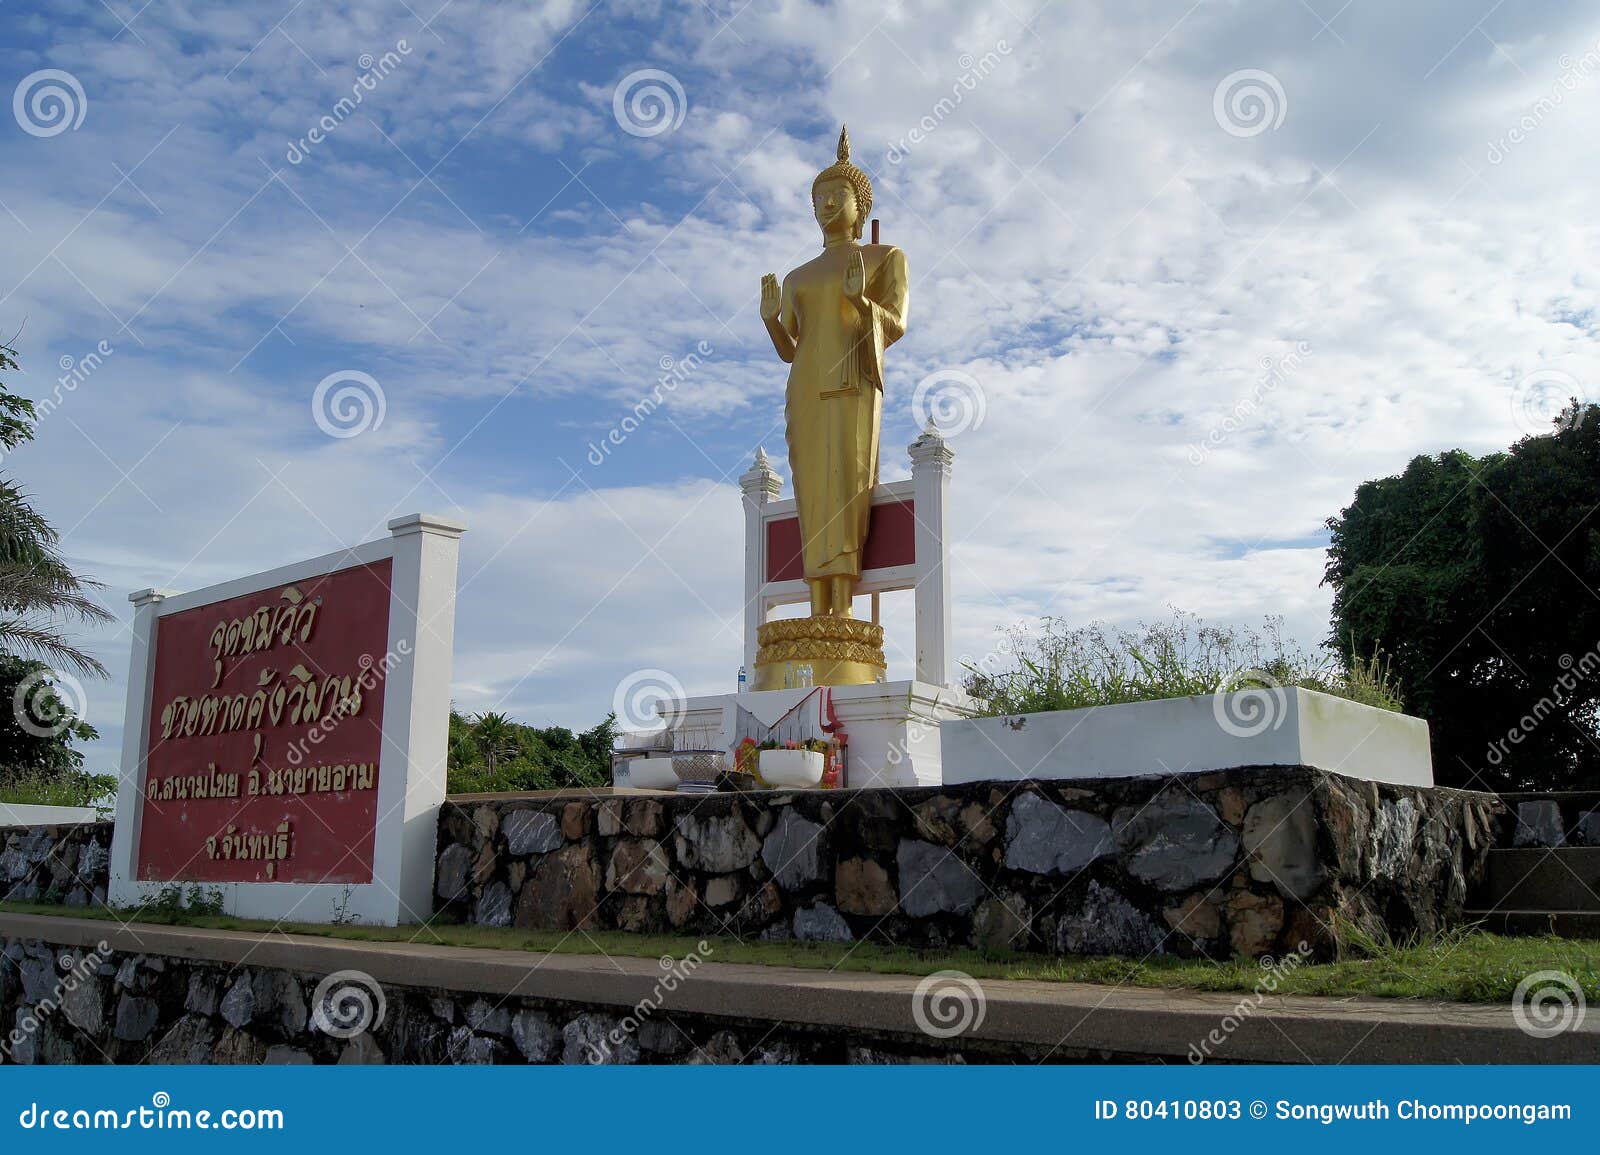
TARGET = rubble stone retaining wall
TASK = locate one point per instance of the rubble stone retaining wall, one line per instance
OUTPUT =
(1244, 862)
(65, 864)
(64, 1003)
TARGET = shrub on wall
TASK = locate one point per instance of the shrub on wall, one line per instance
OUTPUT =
(1056, 666)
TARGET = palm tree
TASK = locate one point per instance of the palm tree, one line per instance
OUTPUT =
(37, 588)
(496, 736)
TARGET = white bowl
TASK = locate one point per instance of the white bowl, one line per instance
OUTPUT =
(792, 768)
(652, 774)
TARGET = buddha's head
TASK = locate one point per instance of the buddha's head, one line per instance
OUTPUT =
(841, 196)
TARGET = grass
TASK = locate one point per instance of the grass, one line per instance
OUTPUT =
(67, 789)
(1465, 966)
(1055, 666)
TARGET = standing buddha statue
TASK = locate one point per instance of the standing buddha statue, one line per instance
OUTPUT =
(830, 321)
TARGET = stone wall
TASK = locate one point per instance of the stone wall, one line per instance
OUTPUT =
(65, 864)
(66, 1004)
(1551, 820)
(1247, 862)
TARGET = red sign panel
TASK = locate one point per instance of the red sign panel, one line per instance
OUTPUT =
(266, 734)
(891, 541)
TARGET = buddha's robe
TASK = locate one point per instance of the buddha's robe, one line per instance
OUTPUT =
(834, 404)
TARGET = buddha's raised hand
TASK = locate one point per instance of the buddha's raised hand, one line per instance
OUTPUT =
(855, 278)
(771, 297)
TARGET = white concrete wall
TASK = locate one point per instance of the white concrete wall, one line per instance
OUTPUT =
(20, 815)
(1273, 727)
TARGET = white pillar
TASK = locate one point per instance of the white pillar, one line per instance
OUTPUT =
(416, 713)
(760, 485)
(931, 457)
(135, 731)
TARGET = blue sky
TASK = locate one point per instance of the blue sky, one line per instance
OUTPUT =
(1200, 268)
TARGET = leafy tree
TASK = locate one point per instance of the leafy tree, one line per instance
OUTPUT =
(493, 753)
(16, 413)
(1480, 579)
(37, 725)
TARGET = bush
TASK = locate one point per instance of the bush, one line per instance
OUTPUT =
(1056, 666)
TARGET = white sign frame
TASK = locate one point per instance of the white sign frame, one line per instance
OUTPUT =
(416, 721)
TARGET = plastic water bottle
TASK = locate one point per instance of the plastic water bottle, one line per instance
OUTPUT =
(743, 678)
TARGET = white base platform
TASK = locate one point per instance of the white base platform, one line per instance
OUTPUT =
(29, 815)
(894, 727)
(1277, 727)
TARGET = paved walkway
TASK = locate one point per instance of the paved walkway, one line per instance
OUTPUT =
(1129, 1021)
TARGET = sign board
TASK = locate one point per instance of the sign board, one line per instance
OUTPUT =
(286, 734)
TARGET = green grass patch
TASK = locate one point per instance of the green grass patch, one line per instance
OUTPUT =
(1054, 665)
(69, 788)
(1469, 966)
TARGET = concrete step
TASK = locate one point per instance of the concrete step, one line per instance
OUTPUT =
(1562, 923)
(1535, 879)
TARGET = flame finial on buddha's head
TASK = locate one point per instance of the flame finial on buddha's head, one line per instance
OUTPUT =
(860, 182)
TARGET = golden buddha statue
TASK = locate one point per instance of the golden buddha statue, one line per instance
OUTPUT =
(831, 321)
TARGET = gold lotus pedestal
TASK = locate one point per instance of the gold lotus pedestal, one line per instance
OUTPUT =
(818, 651)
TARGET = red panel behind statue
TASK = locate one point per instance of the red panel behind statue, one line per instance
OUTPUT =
(266, 734)
(891, 541)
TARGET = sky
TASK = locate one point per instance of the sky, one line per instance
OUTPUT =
(1182, 276)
